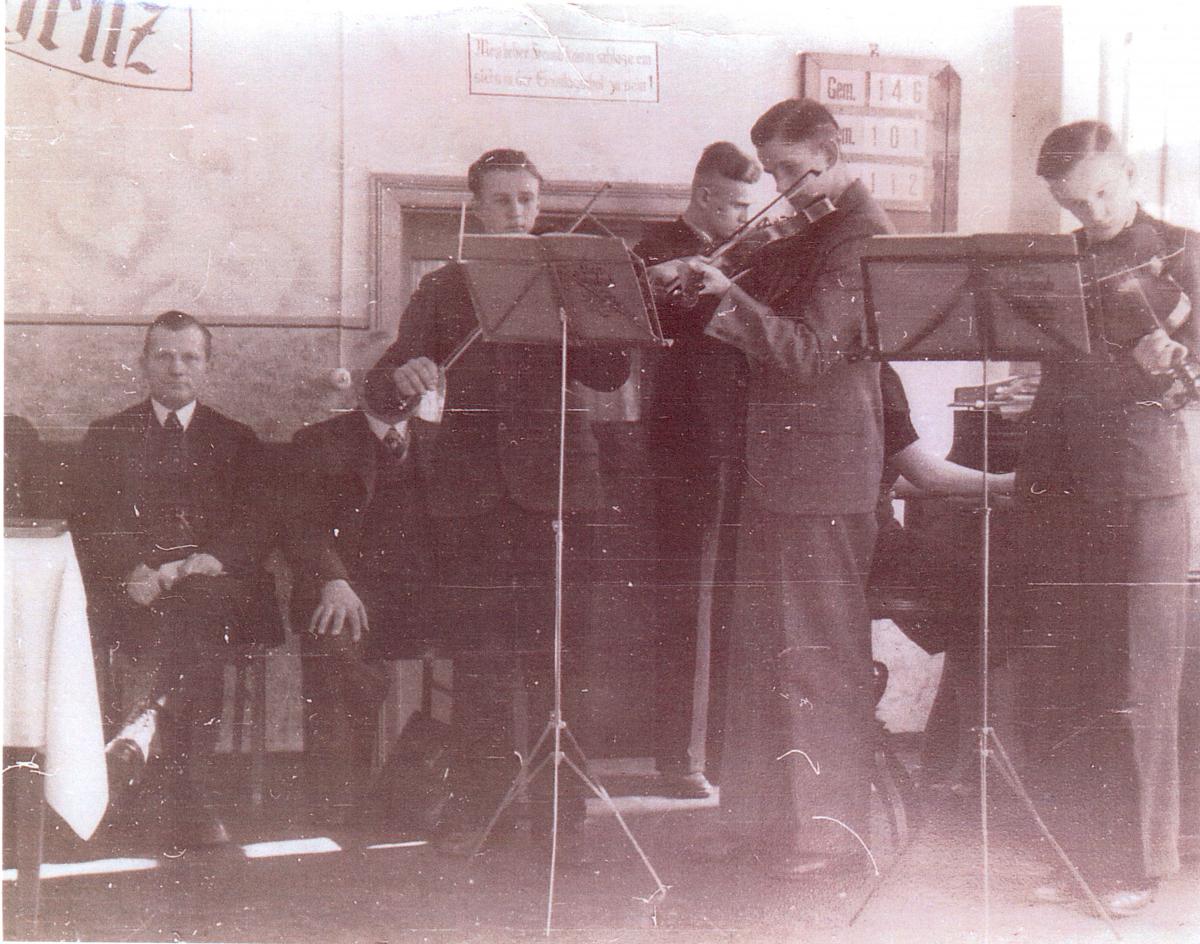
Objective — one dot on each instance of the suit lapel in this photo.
(132, 451)
(366, 460)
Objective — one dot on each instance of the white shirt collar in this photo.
(184, 412)
(380, 428)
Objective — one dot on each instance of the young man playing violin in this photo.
(491, 486)
(1103, 489)
(692, 422)
(798, 738)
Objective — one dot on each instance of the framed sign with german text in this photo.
(899, 121)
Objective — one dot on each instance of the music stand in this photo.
(983, 297)
(571, 290)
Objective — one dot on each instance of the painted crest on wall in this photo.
(139, 45)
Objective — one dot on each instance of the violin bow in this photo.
(477, 332)
(585, 214)
(738, 234)
(1141, 265)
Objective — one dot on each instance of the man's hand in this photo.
(168, 573)
(339, 607)
(665, 277)
(142, 585)
(204, 565)
(415, 376)
(1157, 353)
(712, 280)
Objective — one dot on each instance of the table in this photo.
(51, 702)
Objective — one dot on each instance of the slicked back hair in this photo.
(723, 159)
(178, 321)
(499, 159)
(1067, 145)
(794, 120)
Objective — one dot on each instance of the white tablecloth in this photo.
(50, 698)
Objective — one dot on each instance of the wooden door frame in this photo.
(397, 196)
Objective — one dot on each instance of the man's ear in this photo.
(831, 150)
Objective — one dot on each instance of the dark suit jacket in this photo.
(499, 436)
(814, 436)
(230, 516)
(1095, 429)
(335, 465)
(694, 407)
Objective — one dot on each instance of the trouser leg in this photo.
(800, 734)
(1102, 662)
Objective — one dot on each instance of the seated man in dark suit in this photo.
(171, 530)
(360, 545)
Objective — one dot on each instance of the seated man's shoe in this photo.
(203, 829)
(130, 751)
(684, 786)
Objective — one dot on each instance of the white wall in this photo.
(407, 107)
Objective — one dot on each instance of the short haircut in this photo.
(794, 120)
(1066, 145)
(178, 321)
(723, 159)
(499, 159)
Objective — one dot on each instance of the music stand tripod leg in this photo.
(525, 776)
(987, 734)
(1009, 772)
(557, 726)
(598, 788)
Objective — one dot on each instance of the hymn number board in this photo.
(899, 122)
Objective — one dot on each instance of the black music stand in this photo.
(570, 290)
(984, 297)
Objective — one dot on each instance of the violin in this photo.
(411, 403)
(1130, 280)
(735, 254)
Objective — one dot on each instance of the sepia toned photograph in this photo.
(486, 472)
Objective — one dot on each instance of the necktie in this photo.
(173, 486)
(395, 444)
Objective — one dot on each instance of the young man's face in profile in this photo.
(726, 206)
(507, 201)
